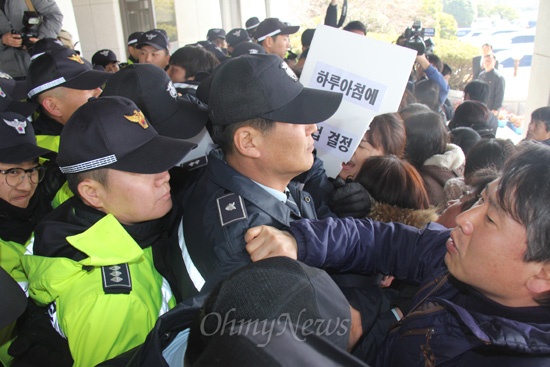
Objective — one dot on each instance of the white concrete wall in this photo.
(249, 9)
(539, 84)
(280, 9)
(99, 26)
(69, 20)
(194, 18)
(230, 15)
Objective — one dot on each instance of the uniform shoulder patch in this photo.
(195, 163)
(231, 208)
(116, 279)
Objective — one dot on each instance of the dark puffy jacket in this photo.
(437, 331)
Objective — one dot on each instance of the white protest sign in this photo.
(371, 74)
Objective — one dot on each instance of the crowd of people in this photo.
(171, 211)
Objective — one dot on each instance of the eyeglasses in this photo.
(14, 176)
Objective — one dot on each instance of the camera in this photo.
(31, 22)
(416, 38)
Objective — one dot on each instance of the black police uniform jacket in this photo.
(219, 209)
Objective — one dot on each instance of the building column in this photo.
(194, 18)
(539, 87)
(99, 26)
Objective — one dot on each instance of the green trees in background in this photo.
(463, 11)
(500, 11)
(165, 15)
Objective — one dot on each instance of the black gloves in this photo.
(350, 199)
(37, 343)
(53, 181)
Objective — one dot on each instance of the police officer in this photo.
(98, 257)
(263, 120)
(24, 200)
(60, 81)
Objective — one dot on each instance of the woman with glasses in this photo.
(25, 198)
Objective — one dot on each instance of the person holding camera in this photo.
(430, 66)
(22, 23)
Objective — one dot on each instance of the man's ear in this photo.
(91, 193)
(540, 282)
(51, 106)
(268, 42)
(246, 140)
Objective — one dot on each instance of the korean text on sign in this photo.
(356, 89)
(333, 140)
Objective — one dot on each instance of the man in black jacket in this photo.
(495, 80)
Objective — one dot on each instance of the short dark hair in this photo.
(426, 91)
(477, 90)
(195, 60)
(387, 132)
(393, 181)
(407, 99)
(542, 114)
(472, 114)
(435, 61)
(464, 137)
(488, 153)
(413, 109)
(446, 69)
(426, 136)
(524, 193)
(356, 25)
(223, 135)
(74, 179)
(307, 37)
(477, 183)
